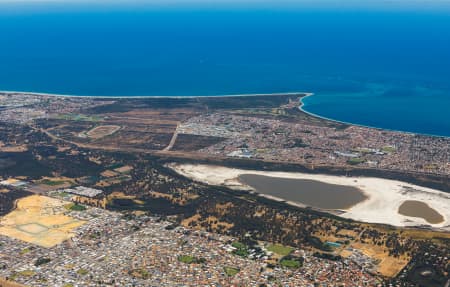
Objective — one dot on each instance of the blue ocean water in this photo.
(379, 65)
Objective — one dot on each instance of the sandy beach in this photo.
(384, 197)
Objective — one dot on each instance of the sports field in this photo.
(39, 220)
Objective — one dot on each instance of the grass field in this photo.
(186, 259)
(82, 271)
(39, 220)
(231, 271)
(280, 249)
(290, 263)
(53, 182)
(190, 259)
(75, 207)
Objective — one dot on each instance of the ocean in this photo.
(385, 66)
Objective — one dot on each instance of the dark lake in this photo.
(420, 209)
(309, 192)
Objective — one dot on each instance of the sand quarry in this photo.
(39, 220)
(384, 197)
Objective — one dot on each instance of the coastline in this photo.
(301, 104)
(160, 97)
(301, 108)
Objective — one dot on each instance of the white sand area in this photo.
(384, 196)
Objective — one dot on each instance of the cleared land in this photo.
(102, 131)
(8, 283)
(39, 220)
(388, 266)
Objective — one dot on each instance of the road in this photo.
(173, 140)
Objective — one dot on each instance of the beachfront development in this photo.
(215, 191)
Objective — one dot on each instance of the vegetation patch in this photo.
(75, 207)
(317, 243)
(190, 259)
(141, 273)
(25, 251)
(52, 182)
(241, 249)
(293, 262)
(82, 271)
(186, 259)
(41, 261)
(61, 194)
(280, 249)
(355, 161)
(388, 149)
(27, 273)
(79, 117)
(231, 271)
(288, 263)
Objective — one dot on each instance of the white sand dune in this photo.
(384, 196)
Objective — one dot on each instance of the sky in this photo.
(334, 3)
